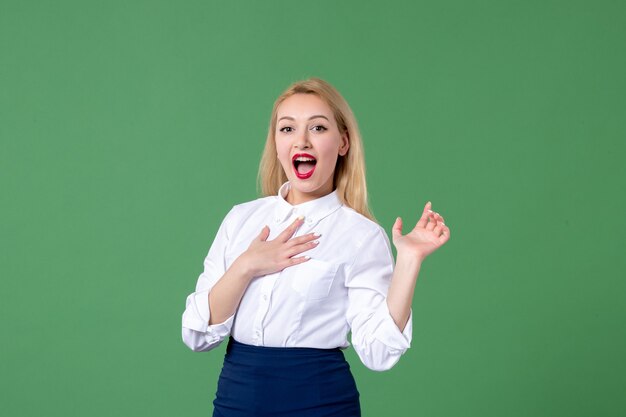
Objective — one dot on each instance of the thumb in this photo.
(264, 234)
(396, 230)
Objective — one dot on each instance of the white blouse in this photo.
(315, 304)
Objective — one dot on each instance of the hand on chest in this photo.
(314, 279)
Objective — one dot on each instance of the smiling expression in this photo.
(308, 143)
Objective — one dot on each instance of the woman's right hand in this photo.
(266, 257)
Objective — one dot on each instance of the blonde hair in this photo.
(349, 178)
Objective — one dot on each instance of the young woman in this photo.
(290, 274)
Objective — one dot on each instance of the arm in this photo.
(197, 334)
(380, 296)
(376, 338)
(429, 233)
(400, 295)
(262, 257)
(210, 311)
(225, 296)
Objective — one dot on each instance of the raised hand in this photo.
(265, 257)
(428, 235)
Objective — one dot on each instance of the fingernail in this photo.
(430, 211)
(317, 234)
(316, 242)
(307, 256)
(300, 217)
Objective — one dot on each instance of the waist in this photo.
(239, 348)
(285, 381)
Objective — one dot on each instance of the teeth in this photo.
(304, 159)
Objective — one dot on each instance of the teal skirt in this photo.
(264, 381)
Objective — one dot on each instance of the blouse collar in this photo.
(313, 211)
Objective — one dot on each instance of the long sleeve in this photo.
(376, 338)
(197, 334)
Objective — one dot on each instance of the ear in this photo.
(345, 144)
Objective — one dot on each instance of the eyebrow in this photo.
(312, 117)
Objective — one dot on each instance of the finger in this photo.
(265, 232)
(297, 260)
(445, 235)
(437, 219)
(396, 229)
(290, 230)
(301, 248)
(439, 228)
(424, 219)
(432, 221)
(304, 238)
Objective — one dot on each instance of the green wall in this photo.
(129, 128)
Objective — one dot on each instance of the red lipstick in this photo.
(295, 164)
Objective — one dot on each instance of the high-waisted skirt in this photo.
(259, 381)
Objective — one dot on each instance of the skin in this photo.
(429, 234)
(298, 131)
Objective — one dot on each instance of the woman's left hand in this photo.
(429, 233)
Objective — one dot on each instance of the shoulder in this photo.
(243, 210)
(361, 228)
(253, 204)
(372, 245)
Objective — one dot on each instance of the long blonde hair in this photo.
(349, 178)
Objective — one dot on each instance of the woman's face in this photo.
(308, 144)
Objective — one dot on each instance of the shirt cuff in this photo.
(197, 316)
(388, 332)
(219, 331)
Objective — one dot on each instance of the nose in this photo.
(302, 140)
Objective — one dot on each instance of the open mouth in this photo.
(303, 165)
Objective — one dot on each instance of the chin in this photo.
(308, 186)
(304, 185)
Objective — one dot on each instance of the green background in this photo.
(129, 129)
